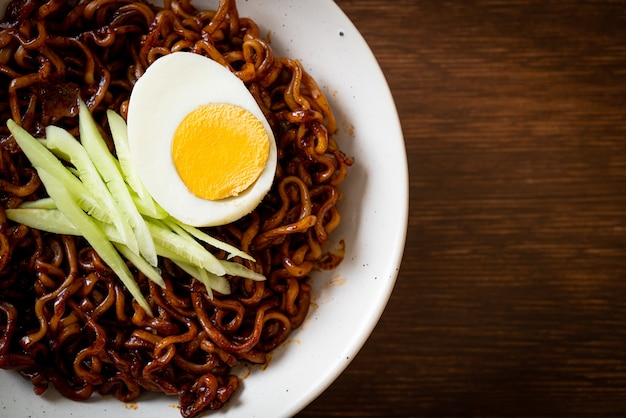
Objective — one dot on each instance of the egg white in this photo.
(171, 87)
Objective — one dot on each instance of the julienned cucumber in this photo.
(92, 233)
(108, 168)
(103, 200)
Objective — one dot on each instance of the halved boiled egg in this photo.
(199, 141)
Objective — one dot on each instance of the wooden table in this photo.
(511, 300)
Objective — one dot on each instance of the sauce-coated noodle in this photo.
(65, 319)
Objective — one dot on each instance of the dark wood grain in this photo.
(511, 300)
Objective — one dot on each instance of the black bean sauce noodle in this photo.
(65, 319)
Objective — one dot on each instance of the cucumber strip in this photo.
(43, 203)
(231, 268)
(199, 274)
(236, 269)
(152, 273)
(168, 253)
(49, 220)
(65, 146)
(151, 210)
(214, 242)
(41, 157)
(141, 197)
(210, 280)
(107, 166)
(54, 221)
(170, 223)
(184, 249)
(93, 234)
(202, 276)
(119, 133)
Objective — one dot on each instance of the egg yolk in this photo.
(219, 150)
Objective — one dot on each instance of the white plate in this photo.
(348, 301)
